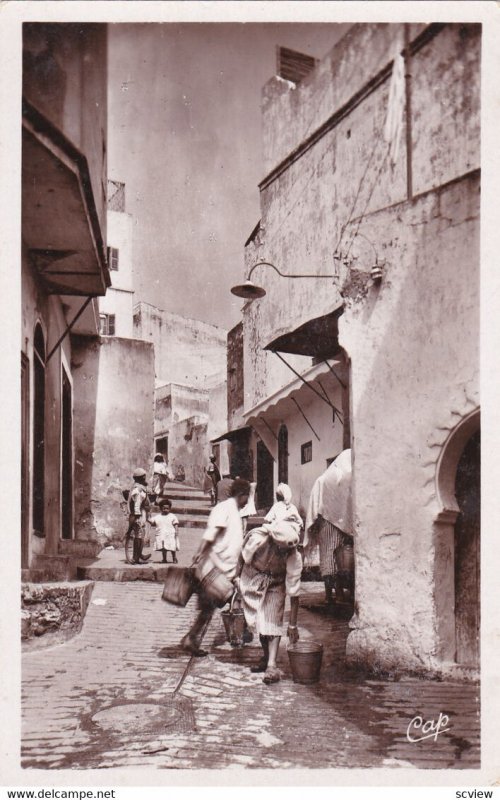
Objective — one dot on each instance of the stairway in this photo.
(191, 506)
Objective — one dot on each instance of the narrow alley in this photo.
(104, 698)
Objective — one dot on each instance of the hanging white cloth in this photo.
(331, 496)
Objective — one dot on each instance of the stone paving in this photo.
(105, 699)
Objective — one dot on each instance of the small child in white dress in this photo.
(167, 538)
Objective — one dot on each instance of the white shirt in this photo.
(227, 543)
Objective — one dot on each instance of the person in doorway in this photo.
(272, 568)
(329, 521)
(283, 508)
(159, 476)
(221, 544)
(138, 506)
(214, 475)
(167, 537)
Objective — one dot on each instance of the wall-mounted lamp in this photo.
(250, 291)
(376, 271)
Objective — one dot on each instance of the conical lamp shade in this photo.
(248, 291)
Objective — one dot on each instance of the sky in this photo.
(185, 137)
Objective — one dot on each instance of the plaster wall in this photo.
(119, 299)
(346, 173)
(65, 77)
(301, 477)
(217, 416)
(187, 351)
(412, 340)
(37, 306)
(121, 304)
(113, 428)
(414, 348)
(188, 442)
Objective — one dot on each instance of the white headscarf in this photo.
(331, 495)
(284, 490)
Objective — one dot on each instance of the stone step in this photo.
(80, 548)
(189, 500)
(51, 567)
(191, 521)
(190, 510)
(128, 572)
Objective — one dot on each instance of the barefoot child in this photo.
(166, 524)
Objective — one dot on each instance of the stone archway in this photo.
(457, 544)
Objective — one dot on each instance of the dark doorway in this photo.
(283, 454)
(240, 457)
(161, 446)
(265, 480)
(25, 449)
(39, 432)
(67, 459)
(467, 553)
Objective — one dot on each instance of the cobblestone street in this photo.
(126, 659)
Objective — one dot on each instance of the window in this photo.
(306, 452)
(113, 258)
(283, 454)
(107, 324)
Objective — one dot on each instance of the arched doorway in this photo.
(283, 454)
(467, 553)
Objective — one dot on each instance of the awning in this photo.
(60, 223)
(317, 338)
(324, 377)
(231, 436)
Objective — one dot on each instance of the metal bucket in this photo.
(345, 558)
(178, 586)
(213, 583)
(234, 623)
(305, 661)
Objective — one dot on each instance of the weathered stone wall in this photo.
(415, 372)
(37, 306)
(187, 351)
(235, 382)
(52, 613)
(113, 428)
(347, 173)
(65, 77)
(119, 299)
(413, 339)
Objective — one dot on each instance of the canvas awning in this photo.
(321, 379)
(231, 436)
(317, 337)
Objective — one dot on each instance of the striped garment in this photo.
(264, 593)
(329, 538)
(263, 601)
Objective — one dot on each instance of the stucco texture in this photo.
(114, 417)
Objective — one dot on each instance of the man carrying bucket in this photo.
(216, 561)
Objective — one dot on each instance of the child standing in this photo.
(167, 538)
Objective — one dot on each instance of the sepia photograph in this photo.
(250, 403)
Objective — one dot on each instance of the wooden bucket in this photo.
(305, 661)
(179, 585)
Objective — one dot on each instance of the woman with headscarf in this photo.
(329, 519)
(283, 508)
(271, 570)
